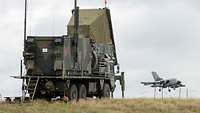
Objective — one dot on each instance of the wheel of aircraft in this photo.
(169, 90)
(159, 90)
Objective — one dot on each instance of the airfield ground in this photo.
(106, 106)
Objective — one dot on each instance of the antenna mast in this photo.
(25, 22)
(76, 28)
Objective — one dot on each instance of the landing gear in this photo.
(169, 90)
(106, 91)
(82, 91)
(73, 93)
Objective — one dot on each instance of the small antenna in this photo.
(105, 2)
(25, 22)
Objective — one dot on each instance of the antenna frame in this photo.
(25, 22)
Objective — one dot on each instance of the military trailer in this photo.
(81, 64)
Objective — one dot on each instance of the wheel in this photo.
(106, 91)
(169, 90)
(82, 91)
(73, 93)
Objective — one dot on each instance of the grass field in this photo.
(106, 106)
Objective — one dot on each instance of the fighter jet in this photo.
(162, 83)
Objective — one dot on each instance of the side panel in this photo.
(45, 57)
(84, 54)
(58, 51)
(68, 58)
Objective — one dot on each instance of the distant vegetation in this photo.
(106, 106)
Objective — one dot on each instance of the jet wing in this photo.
(157, 85)
(174, 86)
(151, 83)
(177, 86)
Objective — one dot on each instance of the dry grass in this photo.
(106, 106)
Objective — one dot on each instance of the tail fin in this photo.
(156, 77)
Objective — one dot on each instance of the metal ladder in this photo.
(32, 87)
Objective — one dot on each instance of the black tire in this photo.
(82, 91)
(106, 91)
(73, 93)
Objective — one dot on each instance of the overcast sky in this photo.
(150, 35)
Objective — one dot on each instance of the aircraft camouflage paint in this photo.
(161, 83)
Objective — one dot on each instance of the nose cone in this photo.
(178, 82)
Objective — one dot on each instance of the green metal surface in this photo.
(86, 55)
